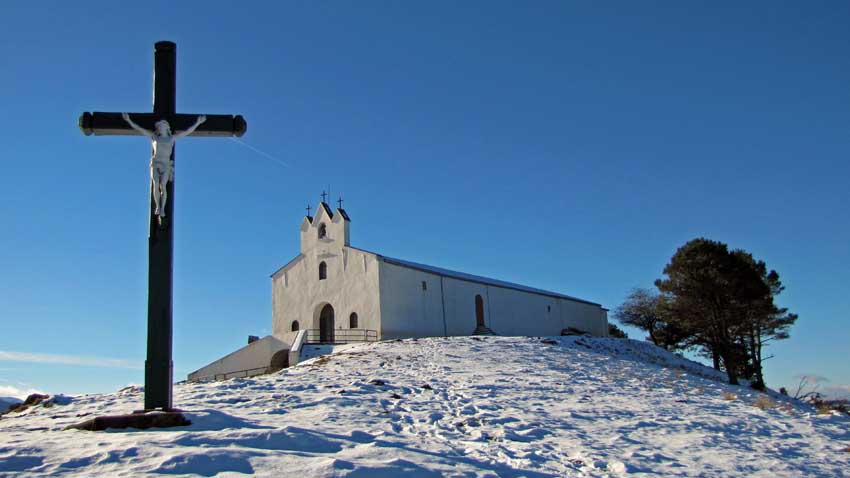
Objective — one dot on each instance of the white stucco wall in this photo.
(460, 305)
(589, 318)
(513, 312)
(351, 284)
(252, 359)
(520, 313)
(408, 311)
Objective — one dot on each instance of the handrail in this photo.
(340, 336)
(225, 376)
(311, 336)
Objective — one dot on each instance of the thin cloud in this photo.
(77, 360)
(20, 393)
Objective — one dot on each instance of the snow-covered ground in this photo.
(467, 406)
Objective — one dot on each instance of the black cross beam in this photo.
(111, 124)
(159, 368)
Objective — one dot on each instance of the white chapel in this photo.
(333, 293)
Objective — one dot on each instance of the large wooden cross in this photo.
(158, 366)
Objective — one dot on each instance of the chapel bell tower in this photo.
(325, 230)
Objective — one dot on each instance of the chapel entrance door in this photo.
(326, 324)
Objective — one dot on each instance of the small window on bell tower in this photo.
(323, 231)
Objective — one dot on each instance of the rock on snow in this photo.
(465, 406)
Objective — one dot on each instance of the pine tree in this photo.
(710, 291)
(766, 321)
(724, 301)
(616, 332)
(646, 310)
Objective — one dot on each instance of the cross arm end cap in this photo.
(85, 123)
(240, 126)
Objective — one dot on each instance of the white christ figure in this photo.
(162, 167)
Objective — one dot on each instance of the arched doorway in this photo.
(326, 324)
(479, 311)
(279, 361)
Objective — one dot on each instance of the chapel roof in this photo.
(475, 278)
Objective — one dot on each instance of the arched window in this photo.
(323, 231)
(295, 326)
(479, 311)
(352, 320)
(323, 271)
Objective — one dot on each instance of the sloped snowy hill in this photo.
(471, 406)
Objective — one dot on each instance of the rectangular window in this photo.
(424, 285)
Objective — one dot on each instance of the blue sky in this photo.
(571, 146)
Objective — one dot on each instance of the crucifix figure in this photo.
(157, 126)
(162, 167)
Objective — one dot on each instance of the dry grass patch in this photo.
(729, 396)
(764, 402)
(321, 361)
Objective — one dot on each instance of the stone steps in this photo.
(483, 330)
